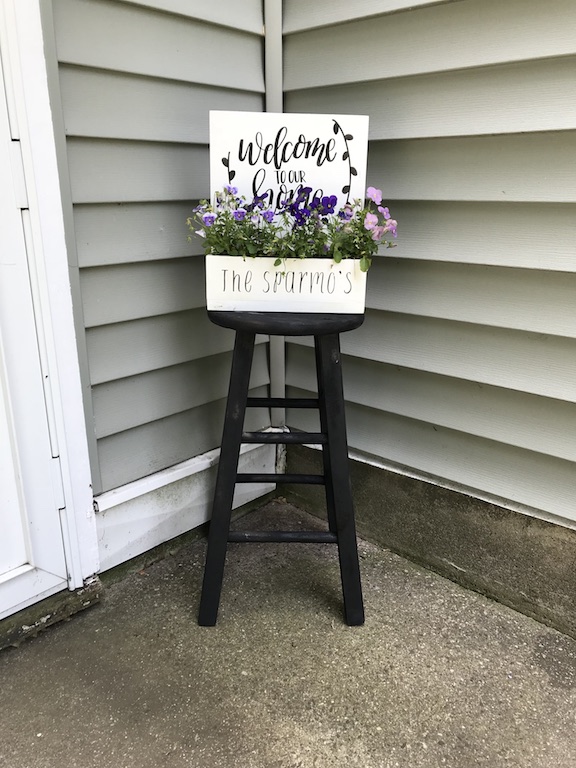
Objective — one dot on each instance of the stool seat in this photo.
(287, 323)
(326, 329)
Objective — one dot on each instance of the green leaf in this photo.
(365, 263)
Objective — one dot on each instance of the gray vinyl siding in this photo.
(137, 80)
(464, 371)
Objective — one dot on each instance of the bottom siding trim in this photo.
(523, 562)
(448, 485)
(141, 515)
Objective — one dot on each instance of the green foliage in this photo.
(304, 228)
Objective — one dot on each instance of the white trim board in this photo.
(141, 515)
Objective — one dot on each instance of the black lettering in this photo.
(257, 184)
(250, 153)
(331, 150)
(279, 152)
(299, 147)
(322, 152)
(318, 278)
(278, 141)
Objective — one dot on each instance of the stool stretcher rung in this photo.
(253, 477)
(282, 402)
(286, 438)
(289, 537)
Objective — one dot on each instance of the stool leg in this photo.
(332, 407)
(326, 464)
(226, 478)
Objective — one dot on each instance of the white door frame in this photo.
(31, 124)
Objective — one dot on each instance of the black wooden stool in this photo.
(326, 329)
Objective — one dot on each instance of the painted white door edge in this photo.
(30, 105)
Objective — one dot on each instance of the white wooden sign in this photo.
(275, 156)
(278, 154)
(297, 285)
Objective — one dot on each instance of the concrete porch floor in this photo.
(438, 676)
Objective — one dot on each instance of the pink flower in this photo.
(391, 226)
(370, 221)
(374, 194)
(384, 211)
(378, 233)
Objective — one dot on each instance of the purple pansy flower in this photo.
(268, 216)
(240, 214)
(300, 215)
(208, 219)
(328, 204)
(346, 213)
(258, 201)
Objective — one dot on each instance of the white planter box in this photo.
(297, 285)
